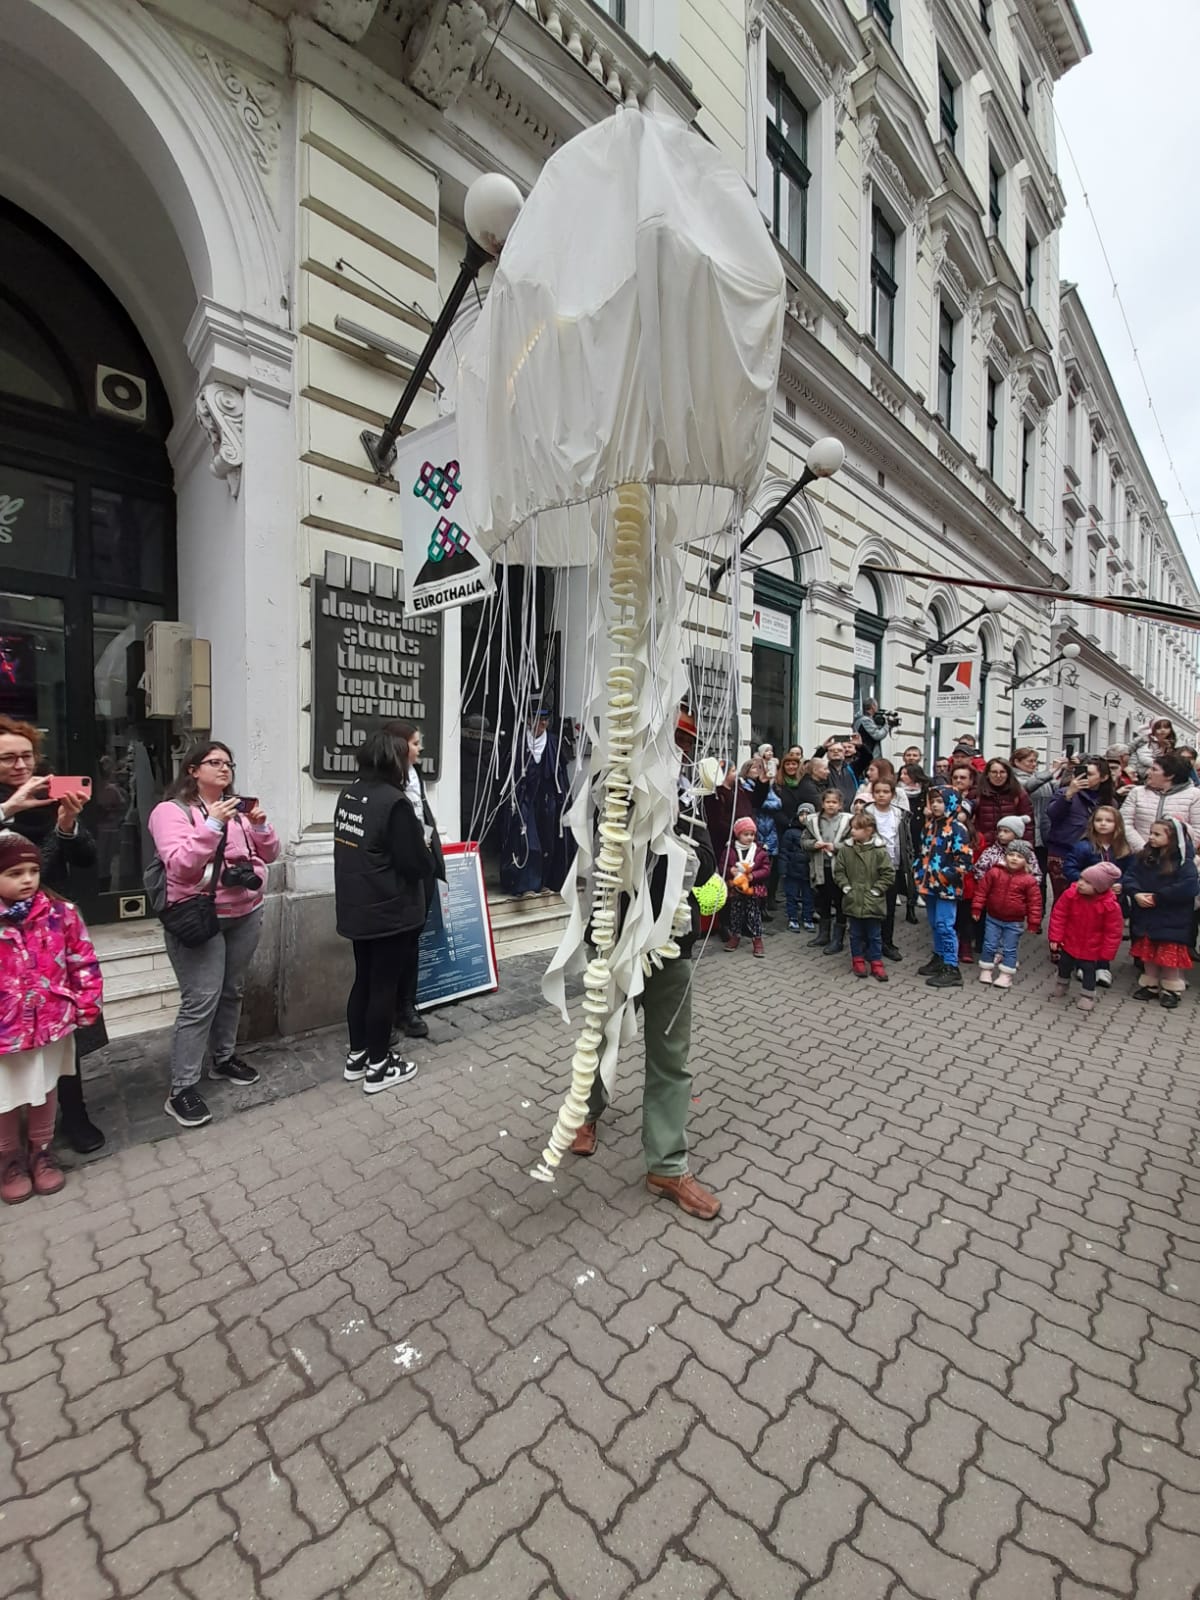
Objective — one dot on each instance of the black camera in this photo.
(892, 718)
(240, 875)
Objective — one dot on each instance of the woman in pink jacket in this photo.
(201, 815)
(49, 986)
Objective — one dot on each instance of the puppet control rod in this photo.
(628, 589)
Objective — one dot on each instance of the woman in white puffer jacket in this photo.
(1167, 792)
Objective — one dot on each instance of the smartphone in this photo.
(247, 803)
(60, 786)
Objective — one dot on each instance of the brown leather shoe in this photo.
(687, 1194)
(584, 1142)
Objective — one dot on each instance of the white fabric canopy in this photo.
(631, 335)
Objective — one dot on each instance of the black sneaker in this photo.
(893, 953)
(188, 1109)
(388, 1074)
(931, 968)
(947, 978)
(356, 1066)
(234, 1070)
(415, 1026)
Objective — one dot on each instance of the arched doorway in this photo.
(778, 602)
(87, 532)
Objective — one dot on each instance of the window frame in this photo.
(785, 162)
(1026, 100)
(884, 281)
(946, 364)
(985, 16)
(886, 15)
(992, 405)
(948, 122)
(1031, 270)
(1026, 482)
(995, 194)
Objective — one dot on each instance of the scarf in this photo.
(16, 910)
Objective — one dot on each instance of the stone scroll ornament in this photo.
(614, 406)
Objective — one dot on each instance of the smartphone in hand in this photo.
(246, 804)
(60, 786)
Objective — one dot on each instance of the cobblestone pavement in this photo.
(941, 1342)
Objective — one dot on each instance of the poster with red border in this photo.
(457, 952)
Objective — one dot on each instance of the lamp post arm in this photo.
(722, 567)
(1036, 673)
(934, 647)
(381, 447)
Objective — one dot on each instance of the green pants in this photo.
(668, 1092)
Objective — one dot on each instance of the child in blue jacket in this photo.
(795, 871)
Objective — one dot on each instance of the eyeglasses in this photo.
(21, 759)
(220, 764)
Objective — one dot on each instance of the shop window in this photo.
(30, 367)
(778, 607)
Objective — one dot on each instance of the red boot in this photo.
(966, 955)
(878, 971)
(859, 965)
(732, 942)
(757, 948)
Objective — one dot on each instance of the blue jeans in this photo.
(866, 938)
(1004, 936)
(941, 914)
(799, 896)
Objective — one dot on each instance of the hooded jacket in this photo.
(1067, 819)
(992, 804)
(864, 873)
(1009, 897)
(758, 866)
(1169, 919)
(49, 976)
(1084, 855)
(945, 860)
(793, 857)
(820, 829)
(1087, 927)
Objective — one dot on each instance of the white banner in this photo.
(956, 681)
(444, 565)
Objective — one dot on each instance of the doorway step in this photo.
(140, 992)
(534, 922)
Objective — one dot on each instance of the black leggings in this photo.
(382, 969)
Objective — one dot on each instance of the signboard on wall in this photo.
(1031, 714)
(864, 653)
(444, 565)
(956, 684)
(772, 627)
(371, 663)
(456, 954)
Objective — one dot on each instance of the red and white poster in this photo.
(956, 682)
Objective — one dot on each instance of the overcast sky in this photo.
(1131, 113)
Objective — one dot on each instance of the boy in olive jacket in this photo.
(863, 871)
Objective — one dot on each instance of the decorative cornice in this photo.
(508, 105)
(444, 46)
(348, 19)
(220, 410)
(254, 105)
(240, 351)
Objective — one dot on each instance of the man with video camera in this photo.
(873, 726)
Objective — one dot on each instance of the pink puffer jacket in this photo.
(49, 976)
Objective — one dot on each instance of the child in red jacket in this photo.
(1007, 900)
(1086, 927)
(747, 869)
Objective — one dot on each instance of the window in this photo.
(1024, 92)
(945, 368)
(615, 9)
(1030, 271)
(883, 285)
(985, 17)
(992, 424)
(1026, 468)
(1072, 431)
(787, 150)
(995, 202)
(947, 90)
(883, 10)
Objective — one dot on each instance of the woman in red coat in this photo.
(998, 794)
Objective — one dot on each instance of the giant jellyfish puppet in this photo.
(615, 402)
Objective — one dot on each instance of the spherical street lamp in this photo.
(825, 457)
(492, 205)
(1070, 652)
(997, 600)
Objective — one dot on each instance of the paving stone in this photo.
(168, 1546)
(677, 1579)
(319, 1498)
(412, 1533)
(328, 1565)
(811, 1525)
(269, 1530)
(650, 1436)
(578, 1562)
(512, 1570)
(1022, 1575)
(68, 1560)
(916, 1561)
(737, 1551)
(979, 1519)
(434, 1470)
(585, 1480)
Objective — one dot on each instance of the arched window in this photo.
(870, 625)
(778, 603)
(31, 368)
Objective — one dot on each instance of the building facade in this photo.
(1116, 538)
(227, 228)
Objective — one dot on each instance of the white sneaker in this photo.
(356, 1066)
(1104, 977)
(387, 1074)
